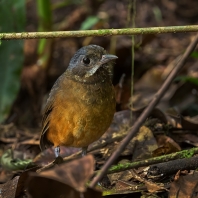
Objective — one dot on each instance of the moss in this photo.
(104, 32)
(108, 192)
(187, 153)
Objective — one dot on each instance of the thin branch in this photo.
(133, 54)
(133, 131)
(102, 32)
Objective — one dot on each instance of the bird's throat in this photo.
(92, 77)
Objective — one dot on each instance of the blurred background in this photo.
(29, 68)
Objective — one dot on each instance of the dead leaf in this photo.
(189, 124)
(121, 120)
(145, 144)
(166, 146)
(120, 176)
(184, 186)
(188, 138)
(183, 96)
(47, 156)
(8, 189)
(156, 113)
(13, 188)
(153, 187)
(66, 180)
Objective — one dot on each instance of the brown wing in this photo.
(44, 143)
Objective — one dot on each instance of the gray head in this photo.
(87, 62)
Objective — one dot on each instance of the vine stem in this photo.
(102, 32)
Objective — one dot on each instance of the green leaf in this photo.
(89, 22)
(194, 54)
(44, 49)
(45, 21)
(157, 13)
(44, 15)
(58, 5)
(187, 79)
(8, 163)
(12, 19)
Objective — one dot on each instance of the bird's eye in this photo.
(86, 61)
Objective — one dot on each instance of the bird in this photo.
(81, 103)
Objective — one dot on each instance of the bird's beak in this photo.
(106, 58)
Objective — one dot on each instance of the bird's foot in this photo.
(84, 151)
(58, 160)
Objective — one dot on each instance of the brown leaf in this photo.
(121, 120)
(75, 173)
(145, 144)
(183, 96)
(13, 188)
(151, 80)
(48, 155)
(187, 123)
(189, 138)
(66, 180)
(8, 189)
(166, 146)
(39, 187)
(156, 113)
(120, 176)
(184, 186)
(128, 187)
(152, 187)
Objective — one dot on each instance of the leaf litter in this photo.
(163, 132)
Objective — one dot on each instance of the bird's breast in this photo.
(83, 111)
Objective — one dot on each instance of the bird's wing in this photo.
(46, 115)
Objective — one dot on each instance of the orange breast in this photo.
(81, 113)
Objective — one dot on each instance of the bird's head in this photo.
(90, 63)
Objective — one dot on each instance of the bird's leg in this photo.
(57, 151)
(58, 159)
(84, 151)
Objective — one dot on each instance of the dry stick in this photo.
(102, 32)
(146, 112)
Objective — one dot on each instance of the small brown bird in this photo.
(81, 103)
